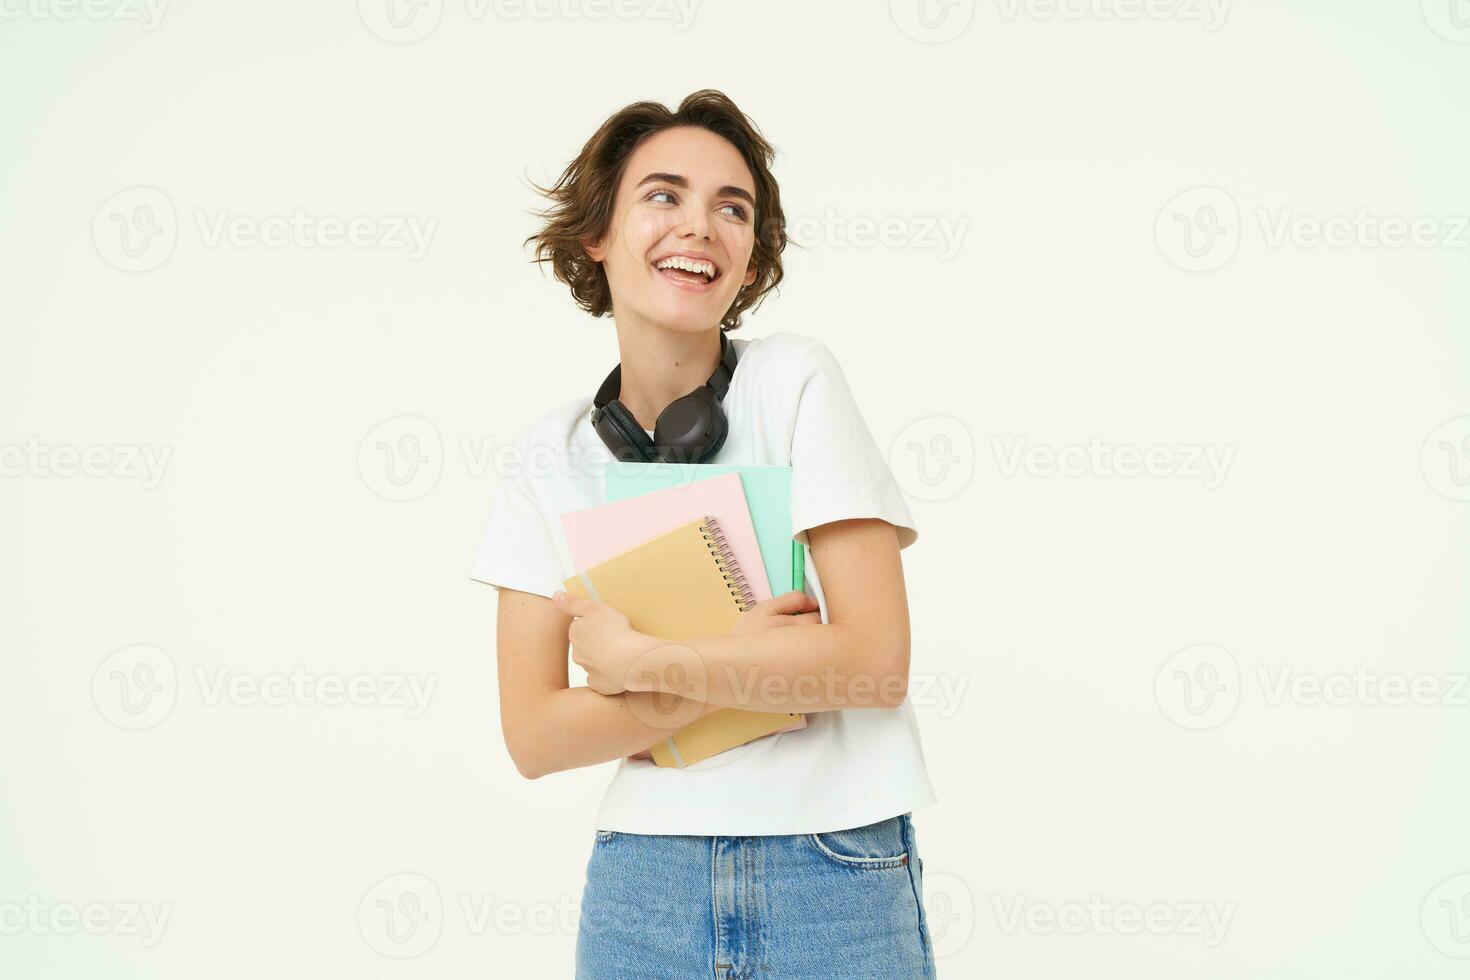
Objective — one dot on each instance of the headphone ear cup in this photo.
(691, 429)
(622, 434)
(721, 428)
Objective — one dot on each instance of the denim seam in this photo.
(871, 863)
(924, 946)
(714, 904)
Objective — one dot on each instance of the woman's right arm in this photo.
(549, 726)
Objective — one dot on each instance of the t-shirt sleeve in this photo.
(517, 550)
(838, 472)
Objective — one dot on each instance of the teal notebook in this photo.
(767, 493)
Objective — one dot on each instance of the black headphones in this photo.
(690, 430)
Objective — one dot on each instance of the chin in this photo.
(686, 317)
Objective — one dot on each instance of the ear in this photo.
(749, 274)
(596, 249)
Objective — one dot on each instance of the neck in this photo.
(661, 365)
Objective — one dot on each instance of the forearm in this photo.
(810, 667)
(577, 727)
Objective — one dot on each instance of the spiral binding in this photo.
(725, 559)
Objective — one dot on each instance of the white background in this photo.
(1114, 643)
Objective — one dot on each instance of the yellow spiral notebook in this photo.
(682, 585)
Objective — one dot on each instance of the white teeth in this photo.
(688, 265)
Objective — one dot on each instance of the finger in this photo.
(799, 619)
(788, 603)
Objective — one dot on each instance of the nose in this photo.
(693, 222)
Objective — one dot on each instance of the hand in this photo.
(787, 609)
(604, 642)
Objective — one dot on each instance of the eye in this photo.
(739, 211)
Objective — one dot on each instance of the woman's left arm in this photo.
(859, 658)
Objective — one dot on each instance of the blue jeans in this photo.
(846, 903)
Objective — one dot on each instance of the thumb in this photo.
(572, 605)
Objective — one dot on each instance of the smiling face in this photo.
(684, 209)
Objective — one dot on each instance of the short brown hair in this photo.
(584, 196)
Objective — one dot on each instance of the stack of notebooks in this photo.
(682, 549)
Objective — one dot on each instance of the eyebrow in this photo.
(729, 190)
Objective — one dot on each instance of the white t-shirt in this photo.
(788, 405)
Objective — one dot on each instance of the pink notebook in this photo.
(595, 534)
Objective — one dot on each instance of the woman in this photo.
(793, 855)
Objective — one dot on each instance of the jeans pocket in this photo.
(874, 847)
